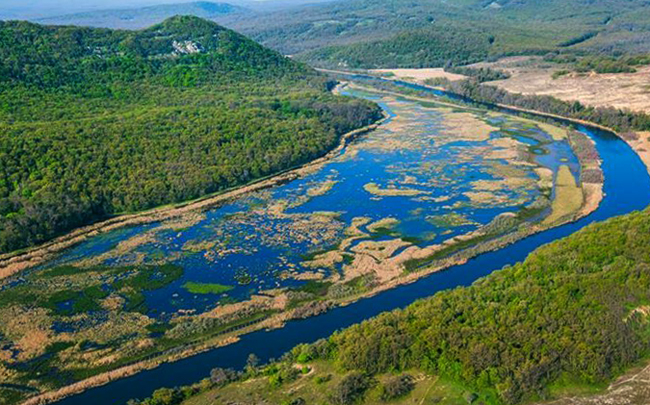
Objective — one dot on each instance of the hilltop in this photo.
(96, 122)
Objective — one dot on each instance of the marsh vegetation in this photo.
(577, 316)
(431, 187)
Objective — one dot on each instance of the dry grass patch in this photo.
(420, 75)
(568, 199)
(464, 126)
(374, 189)
(386, 223)
(531, 75)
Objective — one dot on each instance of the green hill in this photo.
(95, 122)
(366, 33)
(567, 320)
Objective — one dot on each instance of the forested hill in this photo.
(572, 314)
(181, 48)
(414, 33)
(95, 122)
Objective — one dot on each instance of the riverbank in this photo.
(280, 319)
(13, 263)
(627, 188)
(543, 283)
(638, 141)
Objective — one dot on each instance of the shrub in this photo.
(322, 379)
(350, 389)
(252, 361)
(396, 387)
(166, 396)
(295, 401)
(559, 73)
(222, 376)
(285, 373)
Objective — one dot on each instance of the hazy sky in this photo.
(23, 9)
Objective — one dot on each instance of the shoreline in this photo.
(15, 262)
(279, 320)
(640, 146)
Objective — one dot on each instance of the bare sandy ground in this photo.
(531, 75)
(631, 389)
(420, 75)
(642, 147)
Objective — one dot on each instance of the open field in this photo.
(418, 75)
(532, 75)
(320, 379)
(315, 383)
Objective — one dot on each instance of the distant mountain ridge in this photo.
(370, 33)
(145, 16)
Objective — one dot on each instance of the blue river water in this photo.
(627, 189)
(259, 242)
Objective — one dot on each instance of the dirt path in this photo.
(631, 389)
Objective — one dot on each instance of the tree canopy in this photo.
(573, 312)
(95, 122)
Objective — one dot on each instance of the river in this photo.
(627, 188)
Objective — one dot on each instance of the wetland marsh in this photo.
(433, 186)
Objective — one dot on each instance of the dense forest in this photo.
(573, 314)
(434, 46)
(95, 122)
(566, 314)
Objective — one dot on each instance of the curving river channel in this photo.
(626, 187)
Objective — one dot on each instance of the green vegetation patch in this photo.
(317, 288)
(206, 288)
(70, 302)
(450, 220)
(149, 278)
(61, 291)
